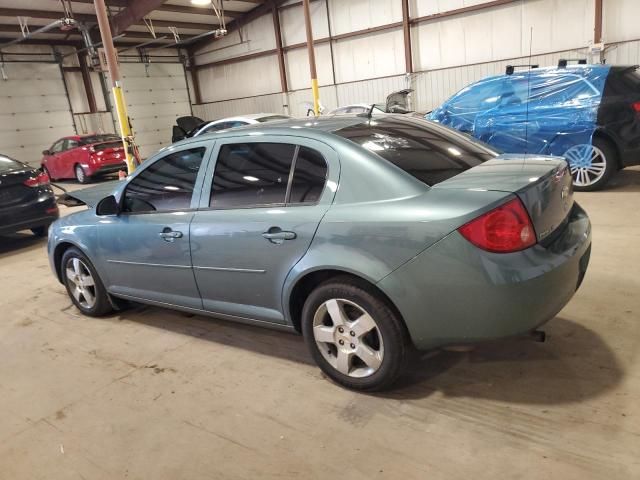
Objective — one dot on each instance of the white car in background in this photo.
(189, 126)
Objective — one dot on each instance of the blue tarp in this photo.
(544, 111)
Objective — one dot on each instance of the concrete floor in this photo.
(152, 394)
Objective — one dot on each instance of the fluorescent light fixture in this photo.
(454, 151)
(200, 3)
(249, 178)
(172, 188)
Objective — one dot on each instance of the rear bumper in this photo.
(103, 169)
(455, 293)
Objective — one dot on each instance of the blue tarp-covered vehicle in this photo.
(586, 113)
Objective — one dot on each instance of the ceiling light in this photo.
(201, 3)
(249, 178)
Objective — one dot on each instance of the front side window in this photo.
(259, 174)
(429, 152)
(57, 147)
(165, 185)
(70, 144)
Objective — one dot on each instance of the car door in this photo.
(67, 158)
(51, 161)
(261, 205)
(145, 249)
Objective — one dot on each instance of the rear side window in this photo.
(260, 174)
(108, 137)
(165, 185)
(429, 152)
(9, 165)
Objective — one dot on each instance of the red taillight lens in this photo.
(505, 229)
(39, 180)
(636, 107)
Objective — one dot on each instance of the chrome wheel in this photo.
(588, 164)
(348, 338)
(80, 175)
(81, 283)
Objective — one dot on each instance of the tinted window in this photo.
(216, 127)
(309, 176)
(167, 184)
(8, 165)
(57, 147)
(109, 137)
(70, 144)
(430, 152)
(271, 118)
(251, 174)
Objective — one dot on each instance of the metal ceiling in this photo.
(159, 17)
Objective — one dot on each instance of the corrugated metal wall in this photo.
(448, 52)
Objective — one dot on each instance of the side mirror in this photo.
(108, 206)
(46, 153)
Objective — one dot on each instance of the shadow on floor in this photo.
(20, 242)
(626, 180)
(572, 365)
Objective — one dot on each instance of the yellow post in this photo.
(312, 58)
(125, 129)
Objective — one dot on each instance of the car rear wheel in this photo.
(83, 284)
(40, 231)
(591, 165)
(81, 176)
(353, 335)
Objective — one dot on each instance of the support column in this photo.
(86, 79)
(116, 87)
(312, 58)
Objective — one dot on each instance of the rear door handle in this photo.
(276, 235)
(169, 235)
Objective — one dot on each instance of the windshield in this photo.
(8, 164)
(108, 137)
(430, 152)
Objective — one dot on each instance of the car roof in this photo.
(250, 116)
(573, 69)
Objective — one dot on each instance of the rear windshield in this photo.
(109, 137)
(9, 165)
(430, 152)
(271, 118)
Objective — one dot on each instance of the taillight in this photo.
(636, 107)
(504, 229)
(39, 180)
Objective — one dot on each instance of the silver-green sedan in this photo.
(370, 236)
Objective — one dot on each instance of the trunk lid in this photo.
(543, 184)
(13, 191)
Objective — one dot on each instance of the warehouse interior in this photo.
(147, 392)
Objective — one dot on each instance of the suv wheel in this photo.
(353, 335)
(83, 284)
(591, 165)
(81, 176)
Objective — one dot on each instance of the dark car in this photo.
(589, 114)
(84, 157)
(27, 201)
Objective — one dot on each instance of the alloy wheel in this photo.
(81, 283)
(588, 164)
(80, 175)
(348, 338)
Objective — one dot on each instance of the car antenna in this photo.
(369, 113)
(526, 120)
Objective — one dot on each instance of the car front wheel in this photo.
(591, 165)
(354, 336)
(81, 176)
(83, 284)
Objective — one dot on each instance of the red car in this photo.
(84, 156)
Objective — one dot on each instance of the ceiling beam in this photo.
(170, 8)
(132, 14)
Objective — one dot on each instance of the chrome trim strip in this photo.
(148, 264)
(225, 269)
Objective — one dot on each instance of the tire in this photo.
(41, 231)
(375, 359)
(592, 165)
(81, 176)
(76, 261)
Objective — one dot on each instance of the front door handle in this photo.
(277, 235)
(169, 235)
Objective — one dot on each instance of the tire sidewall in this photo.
(388, 328)
(102, 304)
(83, 178)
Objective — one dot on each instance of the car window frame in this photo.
(67, 141)
(326, 151)
(62, 142)
(197, 187)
